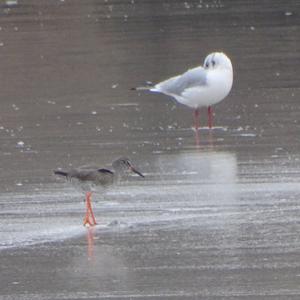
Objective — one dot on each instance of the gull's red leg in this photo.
(196, 118)
(89, 218)
(210, 117)
(91, 213)
(86, 220)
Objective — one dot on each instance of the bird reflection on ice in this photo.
(213, 167)
(90, 238)
(198, 185)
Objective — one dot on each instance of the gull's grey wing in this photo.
(83, 174)
(88, 167)
(105, 177)
(95, 176)
(176, 85)
(105, 171)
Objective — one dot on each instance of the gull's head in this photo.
(217, 60)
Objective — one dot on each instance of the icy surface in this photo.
(217, 215)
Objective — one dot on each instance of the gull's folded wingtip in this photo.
(60, 173)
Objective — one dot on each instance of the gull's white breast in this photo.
(217, 87)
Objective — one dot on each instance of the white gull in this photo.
(201, 86)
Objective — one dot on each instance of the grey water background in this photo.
(218, 220)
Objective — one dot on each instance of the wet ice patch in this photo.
(15, 107)
(248, 134)
(38, 218)
(204, 128)
(27, 233)
(11, 2)
(126, 104)
(20, 144)
(51, 102)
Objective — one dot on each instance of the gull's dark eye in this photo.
(207, 65)
(213, 63)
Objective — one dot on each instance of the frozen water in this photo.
(217, 216)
